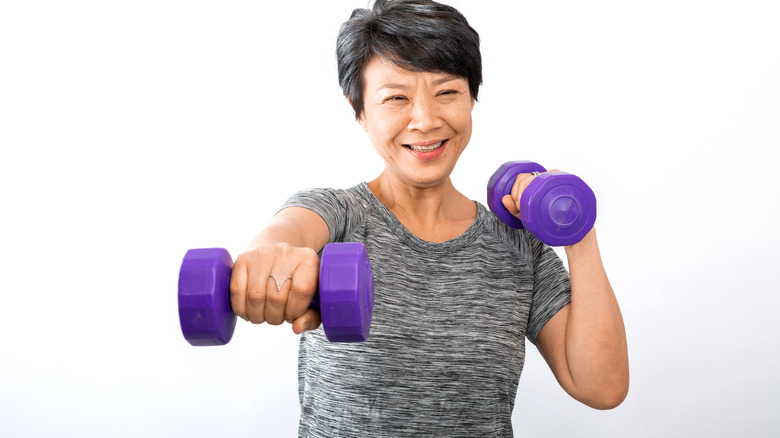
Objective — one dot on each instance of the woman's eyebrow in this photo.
(446, 79)
(393, 86)
(440, 81)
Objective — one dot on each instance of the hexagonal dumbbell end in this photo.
(205, 315)
(346, 292)
(500, 184)
(558, 208)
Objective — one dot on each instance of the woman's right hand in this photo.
(276, 283)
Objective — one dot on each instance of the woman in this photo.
(457, 291)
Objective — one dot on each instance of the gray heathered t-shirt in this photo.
(446, 347)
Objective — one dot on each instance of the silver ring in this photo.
(279, 285)
(535, 174)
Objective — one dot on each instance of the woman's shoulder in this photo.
(330, 196)
(515, 241)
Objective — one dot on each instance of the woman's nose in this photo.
(424, 116)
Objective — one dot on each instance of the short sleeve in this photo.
(551, 290)
(337, 207)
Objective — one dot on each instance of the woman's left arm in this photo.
(585, 342)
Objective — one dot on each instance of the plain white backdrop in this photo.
(132, 131)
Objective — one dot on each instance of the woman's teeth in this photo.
(429, 148)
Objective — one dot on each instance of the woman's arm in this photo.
(585, 342)
(295, 226)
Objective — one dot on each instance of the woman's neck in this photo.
(436, 213)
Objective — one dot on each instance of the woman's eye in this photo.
(395, 99)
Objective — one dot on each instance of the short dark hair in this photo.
(418, 35)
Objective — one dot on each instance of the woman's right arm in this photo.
(296, 226)
(275, 280)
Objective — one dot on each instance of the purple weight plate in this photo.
(500, 185)
(346, 292)
(204, 297)
(558, 208)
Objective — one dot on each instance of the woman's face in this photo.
(419, 122)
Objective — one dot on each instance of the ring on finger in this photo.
(279, 285)
(535, 174)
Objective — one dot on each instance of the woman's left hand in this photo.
(512, 201)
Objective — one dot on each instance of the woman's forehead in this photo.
(381, 73)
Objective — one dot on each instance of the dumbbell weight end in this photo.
(346, 292)
(500, 184)
(205, 315)
(558, 208)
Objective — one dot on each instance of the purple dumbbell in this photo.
(558, 208)
(345, 298)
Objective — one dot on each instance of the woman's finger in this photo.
(310, 320)
(303, 284)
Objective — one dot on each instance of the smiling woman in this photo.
(420, 123)
(457, 291)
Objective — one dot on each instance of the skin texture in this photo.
(584, 343)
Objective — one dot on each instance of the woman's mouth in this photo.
(426, 147)
(427, 151)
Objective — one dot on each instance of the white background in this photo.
(132, 131)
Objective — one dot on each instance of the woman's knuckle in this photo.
(276, 299)
(255, 297)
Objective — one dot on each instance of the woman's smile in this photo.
(426, 151)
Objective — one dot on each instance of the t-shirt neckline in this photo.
(407, 237)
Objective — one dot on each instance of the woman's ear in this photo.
(360, 119)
